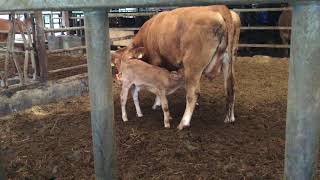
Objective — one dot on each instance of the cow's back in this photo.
(168, 34)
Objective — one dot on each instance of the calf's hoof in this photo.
(140, 115)
(167, 126)
(229, 120)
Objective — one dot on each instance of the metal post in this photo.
(303, 112)
(2, 172)
(66, 20)
(101, 96)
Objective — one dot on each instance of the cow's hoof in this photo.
(124, 119)
(167, 126)
(181, 126)
(140, 115)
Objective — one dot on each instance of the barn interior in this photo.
(50, 137)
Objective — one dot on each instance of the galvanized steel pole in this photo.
(303, 112)
(2, 172)
(101, 96)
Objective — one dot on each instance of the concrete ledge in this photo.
(14, 100)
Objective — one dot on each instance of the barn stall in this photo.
(254, 147)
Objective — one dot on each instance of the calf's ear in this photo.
(139, 52)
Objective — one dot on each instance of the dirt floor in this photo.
(54, 141)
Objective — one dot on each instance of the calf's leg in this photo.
(135, 95)
(165, 109)
(156, 103)
(124, 97)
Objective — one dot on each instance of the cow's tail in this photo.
(214, 65)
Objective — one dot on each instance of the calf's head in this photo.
(126, 54)
(176, 77)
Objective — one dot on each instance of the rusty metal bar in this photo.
(303, 115)
(14, 5)
(100, 91)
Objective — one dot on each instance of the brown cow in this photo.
(6, 25)
(158, 81)
(285, 20)
(200, 39)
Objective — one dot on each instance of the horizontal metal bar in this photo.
(82, 27)
(68, 68)
(63, 29)
(266, 28)
(77, 17)
(262, 9)
(153, 13)
(121, 38)
(65, 50)
(17, 5)
(135, 29)
(17, 12)
(264, 45)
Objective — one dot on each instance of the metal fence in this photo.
(238, 10)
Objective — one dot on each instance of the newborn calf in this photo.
(157, 80)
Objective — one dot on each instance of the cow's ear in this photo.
(139, 52)
(113, 57)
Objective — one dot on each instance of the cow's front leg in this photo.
(228, 74)
(135, 95)
(124, 97)
(165, 109)
(156, 103)
(192, 86)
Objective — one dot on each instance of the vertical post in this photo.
(66, 20)
(2, 172)
(41, 47)
(303, 112)
(100, 90)
(34, 46)
(51, 22)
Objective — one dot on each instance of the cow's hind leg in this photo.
(229, 81)
(135, 95)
